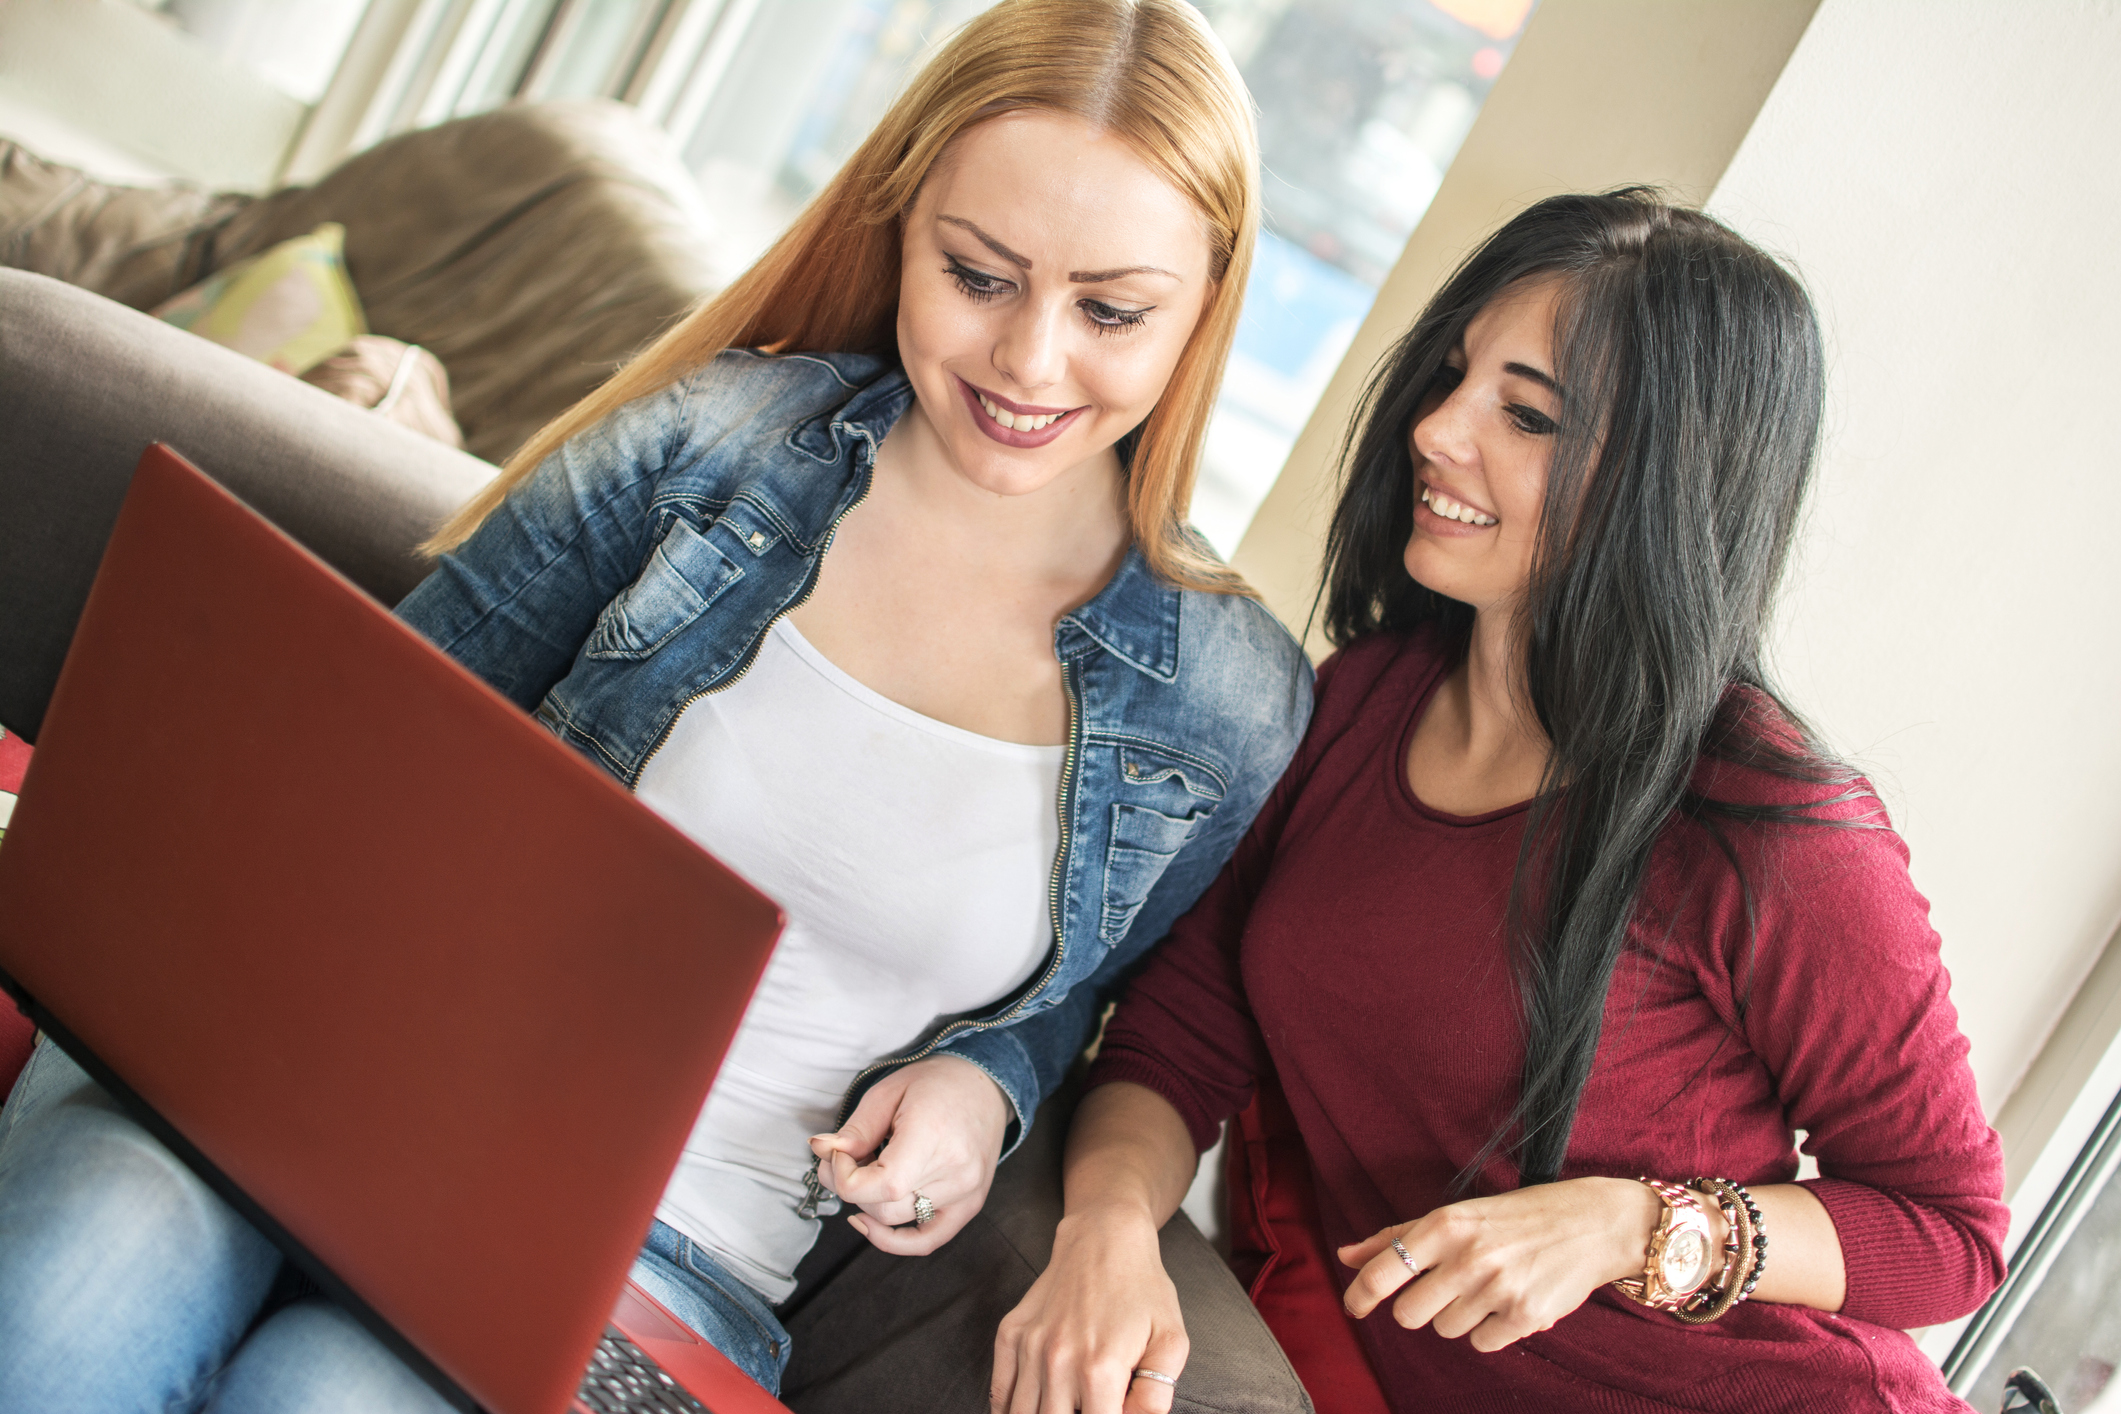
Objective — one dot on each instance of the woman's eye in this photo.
(974, 284)
(1110, 319)
(1532, 420)
(1448, 378)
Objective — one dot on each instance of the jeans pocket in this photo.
(767, 1341)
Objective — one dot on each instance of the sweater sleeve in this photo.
(1848, 1003)
(1184, 1028)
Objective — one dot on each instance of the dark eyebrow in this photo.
(1525, 370)
(1098, 277)
(989, 242)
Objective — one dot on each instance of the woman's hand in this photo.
(1102, 1309)
(934, 1128)
(1499, 1269)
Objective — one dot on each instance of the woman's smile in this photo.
(1014, 424)
(1452, 513)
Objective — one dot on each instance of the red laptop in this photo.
(430, 999)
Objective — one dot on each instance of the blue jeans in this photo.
(126, 1284)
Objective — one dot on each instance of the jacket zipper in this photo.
(814, 1191)
(817, 569)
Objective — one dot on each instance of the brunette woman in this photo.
(1560, 924)
(871, 575)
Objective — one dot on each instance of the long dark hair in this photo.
(1695, 380)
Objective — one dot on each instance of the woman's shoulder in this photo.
(752, 394)
(1242, 673)
(819, 375)
(1393, 661)
(1759, 760)
(1810, 834)
(749, 421)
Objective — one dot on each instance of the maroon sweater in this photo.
(1355, 946)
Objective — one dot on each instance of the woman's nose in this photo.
(1029, 352)
(1444, 436)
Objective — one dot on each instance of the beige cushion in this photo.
(392, 379)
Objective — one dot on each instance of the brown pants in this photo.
(877, 1334)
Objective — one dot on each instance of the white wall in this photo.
(1944, 175)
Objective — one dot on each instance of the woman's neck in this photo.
(1479, 746)
(1070, 532)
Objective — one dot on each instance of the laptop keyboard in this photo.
(622, 1379)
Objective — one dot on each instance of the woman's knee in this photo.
(102, 1229)
(313, 1358)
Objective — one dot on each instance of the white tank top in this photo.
(913, 860)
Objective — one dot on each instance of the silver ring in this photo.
(1157, 1375)
(923, 1210)
(1400, 1248)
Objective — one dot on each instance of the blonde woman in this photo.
(872, 576)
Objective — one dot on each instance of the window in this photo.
(2057, 1312)
(1362, 105)
(294, 45)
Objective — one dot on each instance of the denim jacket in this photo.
(641, 565)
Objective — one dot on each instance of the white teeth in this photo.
(1018, 421)
(1453, 510)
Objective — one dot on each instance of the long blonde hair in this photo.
(1149, 71)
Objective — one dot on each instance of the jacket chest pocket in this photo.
(1173, 798)
(684, 575)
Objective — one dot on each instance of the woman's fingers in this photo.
(1455, 1315)
(1382, 1273)
(914, 1241)
(1357, 1253)
(1165, 1354)
(1027, 1395)
(1001, 1386)
(886, 1184)
(1500, 1330)
(1102, 1309)
(869, 1127)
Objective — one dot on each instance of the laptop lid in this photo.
(429, 990)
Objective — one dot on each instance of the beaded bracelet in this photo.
(1754, 1261)
(1729, 1290)
(1752, 1211)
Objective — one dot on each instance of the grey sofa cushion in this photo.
(86, 385)
(877, 1334)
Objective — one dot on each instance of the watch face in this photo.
(1686, 1260)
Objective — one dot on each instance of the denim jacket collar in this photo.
(1134, 618)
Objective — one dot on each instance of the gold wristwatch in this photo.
(1682, 1248)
